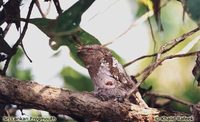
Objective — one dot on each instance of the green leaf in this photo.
(72, 17)
(16, 71)
(141, 9)
(45, 25)
(67, 21)
(75, 80)
(119, 58)
(65, 29)
(193, 9)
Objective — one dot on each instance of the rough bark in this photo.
(28, 94)
(196, 112)
(109, 77)
(110, 101)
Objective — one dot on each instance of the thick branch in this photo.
(28, 94)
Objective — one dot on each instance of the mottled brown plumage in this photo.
(109, 78)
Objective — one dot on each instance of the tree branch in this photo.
(28, 94)
(166, 47)
(148, 70)
(58, 7)
(40, 9)
(14, 48)
(170, 97)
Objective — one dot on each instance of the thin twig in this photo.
(170, 97)
(156, 64)
(58, 7)
(190, 45)
(151, 30)
(180, 55)
(171, 44)
(152, 35)
(148, 70)
(140, 20)
(14, 48)
(48, 9)
(39, 8)
(6, 29)
(107, 8)
(137, 59)
(167, 47)
(22, 46)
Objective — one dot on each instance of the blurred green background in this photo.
(174, 77)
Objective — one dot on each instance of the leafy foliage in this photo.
(65, 29)
(162, 80)
(75, 80)
(16, 71)
(192, 8)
